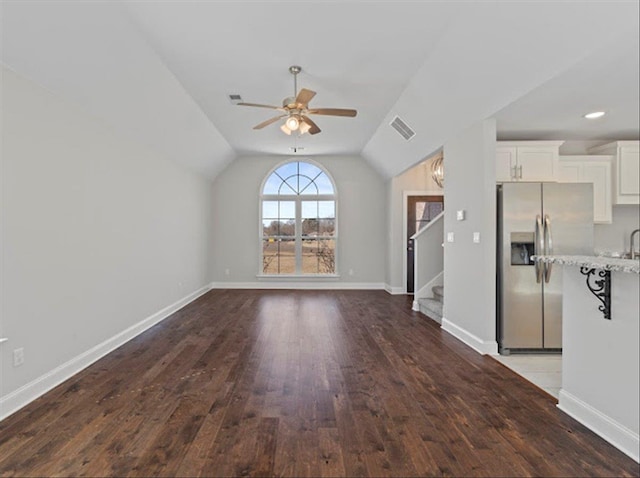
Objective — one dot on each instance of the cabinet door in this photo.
(505, 164)
(599, 174)
(628, 175)
(537, 164)
(569, 171)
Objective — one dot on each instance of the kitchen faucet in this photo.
(632, 250)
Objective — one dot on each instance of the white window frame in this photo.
(298, 199)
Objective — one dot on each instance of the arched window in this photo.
(298, 221)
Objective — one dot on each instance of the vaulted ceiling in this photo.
(160, 72)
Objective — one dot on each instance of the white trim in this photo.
(3, 339)
(281, 277)
(300, 284)
(395, 290)
(484, 347)
(405, 209)
(615, 433)
(24, 395)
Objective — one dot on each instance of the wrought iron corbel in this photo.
(600, 286)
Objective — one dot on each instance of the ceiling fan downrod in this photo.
(294, 70)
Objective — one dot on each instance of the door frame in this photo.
(405, 210)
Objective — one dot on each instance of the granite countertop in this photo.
(615, 264)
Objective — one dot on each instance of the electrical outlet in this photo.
(476, 237)
(350, 272)
(460, 215)
(450, 237)
(18, 357)
(227, 272)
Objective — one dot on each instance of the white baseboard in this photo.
(394, 290)
(24, 395)
(299, 284)
(615, 433)
(485, 347)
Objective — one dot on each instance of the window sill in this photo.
(297, 276)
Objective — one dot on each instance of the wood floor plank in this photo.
(300, 383)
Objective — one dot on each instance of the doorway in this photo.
(420, 211)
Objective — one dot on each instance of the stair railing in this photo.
(428, 258)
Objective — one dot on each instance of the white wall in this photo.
(615, 237)
(469, 279)
(417, 178)
(601, 389)
(361, 221)
(98, 234)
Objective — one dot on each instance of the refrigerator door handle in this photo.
(538, 248)
(548, 247)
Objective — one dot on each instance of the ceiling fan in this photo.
(296, 110)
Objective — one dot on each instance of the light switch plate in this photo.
(450, 237)
(460, 215)
(476, 237)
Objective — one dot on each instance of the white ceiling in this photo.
(160, 71)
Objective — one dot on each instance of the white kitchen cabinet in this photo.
(527, 161)
(595, 170)
(626, 170)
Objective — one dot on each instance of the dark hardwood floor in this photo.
(300, 383)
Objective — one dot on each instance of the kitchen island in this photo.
(600, 346)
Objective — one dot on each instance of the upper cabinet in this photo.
(626, 170)
(527, 160)
(595, 170)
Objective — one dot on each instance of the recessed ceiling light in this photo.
(594, 115)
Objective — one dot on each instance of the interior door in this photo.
(420, 211)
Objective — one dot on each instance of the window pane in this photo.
(327, 256)
(309, 169)
(310, 258)
(289, 186)
(327, 209)
(309, 209)
(287, 210)
(310, 227)
(308, 187)
(324, 184)
(286, 170)
(287, 228)
(269, 209)
(270, 256)
(272, 184)
(326, 227)
(287, 256)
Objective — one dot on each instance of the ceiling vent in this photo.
(403, 128)
(235, 99)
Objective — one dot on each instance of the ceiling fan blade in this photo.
(314, 129)
(262, 106)
(333, 112)
(304, 96)
(268, 122)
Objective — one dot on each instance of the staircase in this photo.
(432, 307)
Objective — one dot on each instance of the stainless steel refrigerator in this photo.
(537, 218)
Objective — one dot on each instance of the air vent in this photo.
(235, 99)
(403, 128)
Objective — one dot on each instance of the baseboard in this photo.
(415, 306)
(394, 290)
(485, 347)
(299, 284)
(24, 395)
(618, 435)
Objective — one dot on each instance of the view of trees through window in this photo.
(298, 221)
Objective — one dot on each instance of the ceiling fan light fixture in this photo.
(292, 123)
(285, 129)
(304, 127)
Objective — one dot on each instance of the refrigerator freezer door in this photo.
(521, 297)
(568, 210)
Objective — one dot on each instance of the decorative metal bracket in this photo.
(601, 288)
